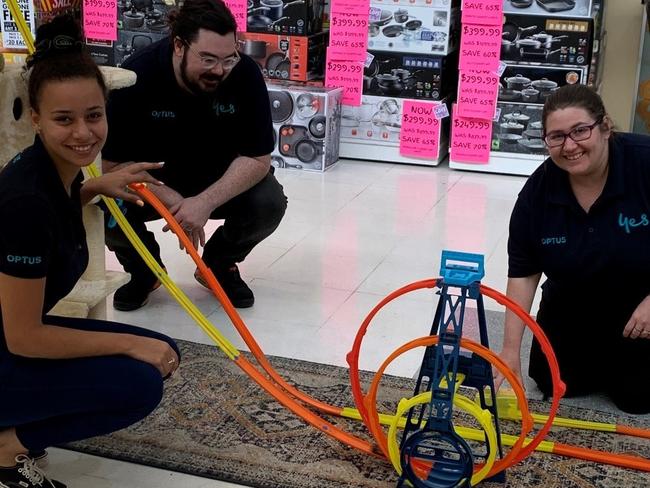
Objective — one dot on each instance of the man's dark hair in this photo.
(212, 15)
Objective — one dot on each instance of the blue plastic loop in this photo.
(461, 268)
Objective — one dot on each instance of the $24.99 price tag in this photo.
(470, 139)
(343, 69)
(420, 132)
(100, 19)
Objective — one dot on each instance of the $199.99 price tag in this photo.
(100, 19)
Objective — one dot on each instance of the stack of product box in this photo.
(545, 45)
(412, 54)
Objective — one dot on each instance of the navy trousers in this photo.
(51, 402)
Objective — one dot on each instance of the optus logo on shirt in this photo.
(13, 258)
(549, 241)
(163, 114)
(630, 223)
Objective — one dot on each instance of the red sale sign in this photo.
(420, 132)
(470, 139)
(100, 19)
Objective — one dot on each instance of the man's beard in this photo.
(194, 86)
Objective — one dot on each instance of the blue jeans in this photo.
(52, 402)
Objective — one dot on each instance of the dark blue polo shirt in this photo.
(41, 228)
(597, 255)
(197, 136)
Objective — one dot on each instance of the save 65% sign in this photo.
(420, 132)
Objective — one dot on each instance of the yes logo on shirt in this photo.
(630, 224)
(223, 108)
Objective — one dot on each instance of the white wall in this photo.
(623, 24)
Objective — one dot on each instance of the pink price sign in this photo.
(345, 71)
(100, 19)
(359, 7)
(420, 132)
(477, 94)
(482, 12)
(470, 139)
(480, 47)
(239, 9)
(349, 33)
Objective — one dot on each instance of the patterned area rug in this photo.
(214, 422)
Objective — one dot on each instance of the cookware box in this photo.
(519, 129)
(409, 29)
(408, 75)
(567, 8)
(437, 4)
(372, 130)
(547, 40)
(129, 42)
(531, 84)
(148, 16)
(288, 17)
(297, 58)
(306, 125)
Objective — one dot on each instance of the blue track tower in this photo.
(429, 433)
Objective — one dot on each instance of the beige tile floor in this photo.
(350, 236)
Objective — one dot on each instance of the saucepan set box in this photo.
(413, 29)
(306, 125)
(532, 84)
(372, 131)
(296, 58)
(437, 4)
(409, 75)
(288, 17)
(547, 40)
(518, 129)
(565, 8)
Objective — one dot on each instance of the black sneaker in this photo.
(134, 294)
(240, 295)
(26, 475)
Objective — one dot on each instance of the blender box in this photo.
(297, 58)
(306, 125)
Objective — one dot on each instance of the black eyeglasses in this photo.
(209, 62)
(577, 134)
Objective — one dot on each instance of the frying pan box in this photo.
(372, 131)
(295, 58)
(547, 40)
(288, 17)
(306, 125)
(437, 4)
(547, 8)
(129, 42)
(518, 129)
(411, 29)
(408, 75)
(532, 84)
